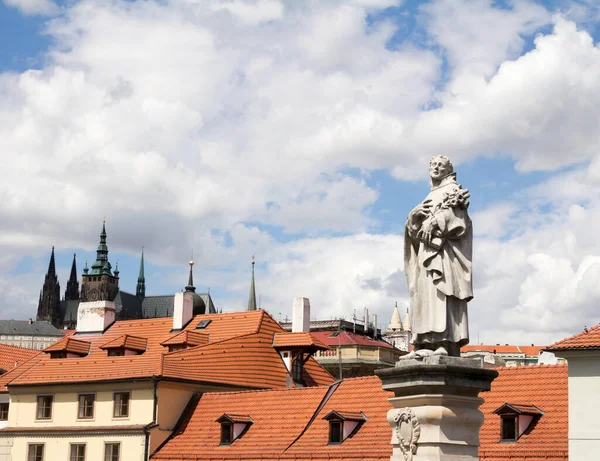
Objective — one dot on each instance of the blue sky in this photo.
(301, 133)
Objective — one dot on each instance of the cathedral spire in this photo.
(52, 265)
(72, 291)
(49, 302)
(140, 290)
(252, 295)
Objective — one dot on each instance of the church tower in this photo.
(72, 291)
(398, 334)
(100, 284)
(49, 303)
(140, 289)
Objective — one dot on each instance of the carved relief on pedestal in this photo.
(406, 431)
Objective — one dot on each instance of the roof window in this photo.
(202, 324)
(233, 427)
(343, 425)
(515, 420)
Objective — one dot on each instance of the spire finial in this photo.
(252, 294)
(190, 286)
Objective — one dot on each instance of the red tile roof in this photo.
(11, 356)
(587, 339)
(348, 338)
(248, 360)
(186, 337)
(503, 349)
(287, 424)
(291, 340)
(69, 344)
(240, 354)
(544, 386)
(134, 343)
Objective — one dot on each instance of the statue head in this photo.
(440, 166)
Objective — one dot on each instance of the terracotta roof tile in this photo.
(291, 340)
(240, 354)
(287, 424)
(11, 356)
(134, 343)
(248, 360)
(186, 337)
(587, 339)
(503, 349)
(348, 338)
(69, 344)
(544, 386)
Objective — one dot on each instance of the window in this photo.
(35, 452)
(44, 406)
(112, 451)
(298, 370)
(226, 433)
(335, 432)
(509, 432)
(202, 324)
(77, 452)
(121, 408)
(3, 411)
(86, 406)
(118, 352)
(58, 355)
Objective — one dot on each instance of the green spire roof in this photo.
(252, 295)
(101, 265)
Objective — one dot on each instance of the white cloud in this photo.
(34, 7)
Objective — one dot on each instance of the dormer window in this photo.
(515, 419)
(185, 339)
(295, 349)
(68, 348)
(233, 427)
(343, 425)
(125, 345)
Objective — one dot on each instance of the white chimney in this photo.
(301, 315)
(183, 309)
(95, 316)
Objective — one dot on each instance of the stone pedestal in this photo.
(436, 403)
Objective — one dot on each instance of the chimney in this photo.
(366, 321)
(95, 316)
(30, 321)
(183, 309)
(374, 326)
(301, 315)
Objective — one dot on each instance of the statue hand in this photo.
(427, 231)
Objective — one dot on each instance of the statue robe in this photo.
(439, 273)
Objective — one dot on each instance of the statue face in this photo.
(439, 168)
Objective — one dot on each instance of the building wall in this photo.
(29, 342)
(584, 404)
(23, 407)
(58, 448)
(22, 414)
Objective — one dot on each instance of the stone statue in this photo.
(438, 242)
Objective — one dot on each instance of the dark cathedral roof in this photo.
(128, 306)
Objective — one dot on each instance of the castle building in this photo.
(399, 335)
(101, 283)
